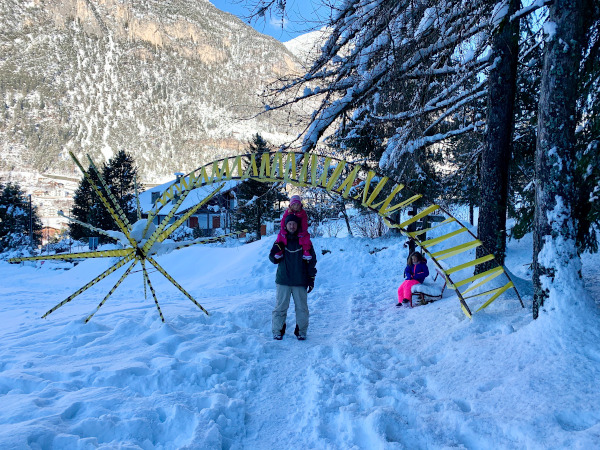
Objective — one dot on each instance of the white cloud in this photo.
(278, 21)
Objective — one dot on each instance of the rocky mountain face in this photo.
(174, 82)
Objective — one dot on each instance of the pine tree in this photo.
(15, 219)
(587, 178)
(86, 208)
(257, 202)
(587, 207)
(415, 73)
(496, 156)
(119, 174)
(555, 256)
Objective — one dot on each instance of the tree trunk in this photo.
(410, 228)
(555, 255)
(258, 222)
(471, 213)
(342, 206)
(491, 226)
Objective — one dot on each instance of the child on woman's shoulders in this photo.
(296, 209)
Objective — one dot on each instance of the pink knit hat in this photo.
(295, 199)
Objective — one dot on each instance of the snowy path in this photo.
(369, 375)
(591, 276)
(335, 389)
(289, 385)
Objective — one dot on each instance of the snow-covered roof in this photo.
(192, 199)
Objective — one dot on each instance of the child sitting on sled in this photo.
(415, 273)
(297, 210)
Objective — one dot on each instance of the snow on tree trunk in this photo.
(556, 264)
(498, 147)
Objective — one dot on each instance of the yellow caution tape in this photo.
(187, 215)
(470, 264)
(437, 240)
(376, 192)
(290, 165)
(69, 256)
(348, 183)
(496, 295)
(113, 289)
(414, 234)
(485, 280)
(452, 251)
(152, 239)
(176, 284)
(115, 204)
(422, 214)
(147, 279)
(335, 175)
(458, 284)
(385, 209)
(466, 311)
(91, 283)
(105, 202)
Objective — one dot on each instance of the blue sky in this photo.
(302, 15)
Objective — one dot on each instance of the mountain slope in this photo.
(166, 80)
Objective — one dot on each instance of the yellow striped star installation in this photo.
(142, 241)
(373, 191)
(379, 194)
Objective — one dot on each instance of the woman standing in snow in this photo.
(415, 273)
(295, 277)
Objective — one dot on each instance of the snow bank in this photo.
(370, 375)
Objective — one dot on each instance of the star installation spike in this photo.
(141, 241)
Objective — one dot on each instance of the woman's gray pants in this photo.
(283, 294)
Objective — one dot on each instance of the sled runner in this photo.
(429, 291)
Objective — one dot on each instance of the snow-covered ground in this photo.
(369, 375)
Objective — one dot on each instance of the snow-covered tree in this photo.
(86, 208)
(556, 263)
(587, 133)
(521, 188)
(415, 76)
(497, 152)
(257, 202)
(15, 216)
(119, 174)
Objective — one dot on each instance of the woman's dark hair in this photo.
(418, 255)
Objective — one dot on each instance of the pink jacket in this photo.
(300, 215)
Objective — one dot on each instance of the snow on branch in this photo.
(466, 100)
(391, 155)
(537, 4)
(373, 62)
(450, 70)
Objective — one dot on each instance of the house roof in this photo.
(192, 199)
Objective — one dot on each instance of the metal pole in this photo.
(30, 224)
